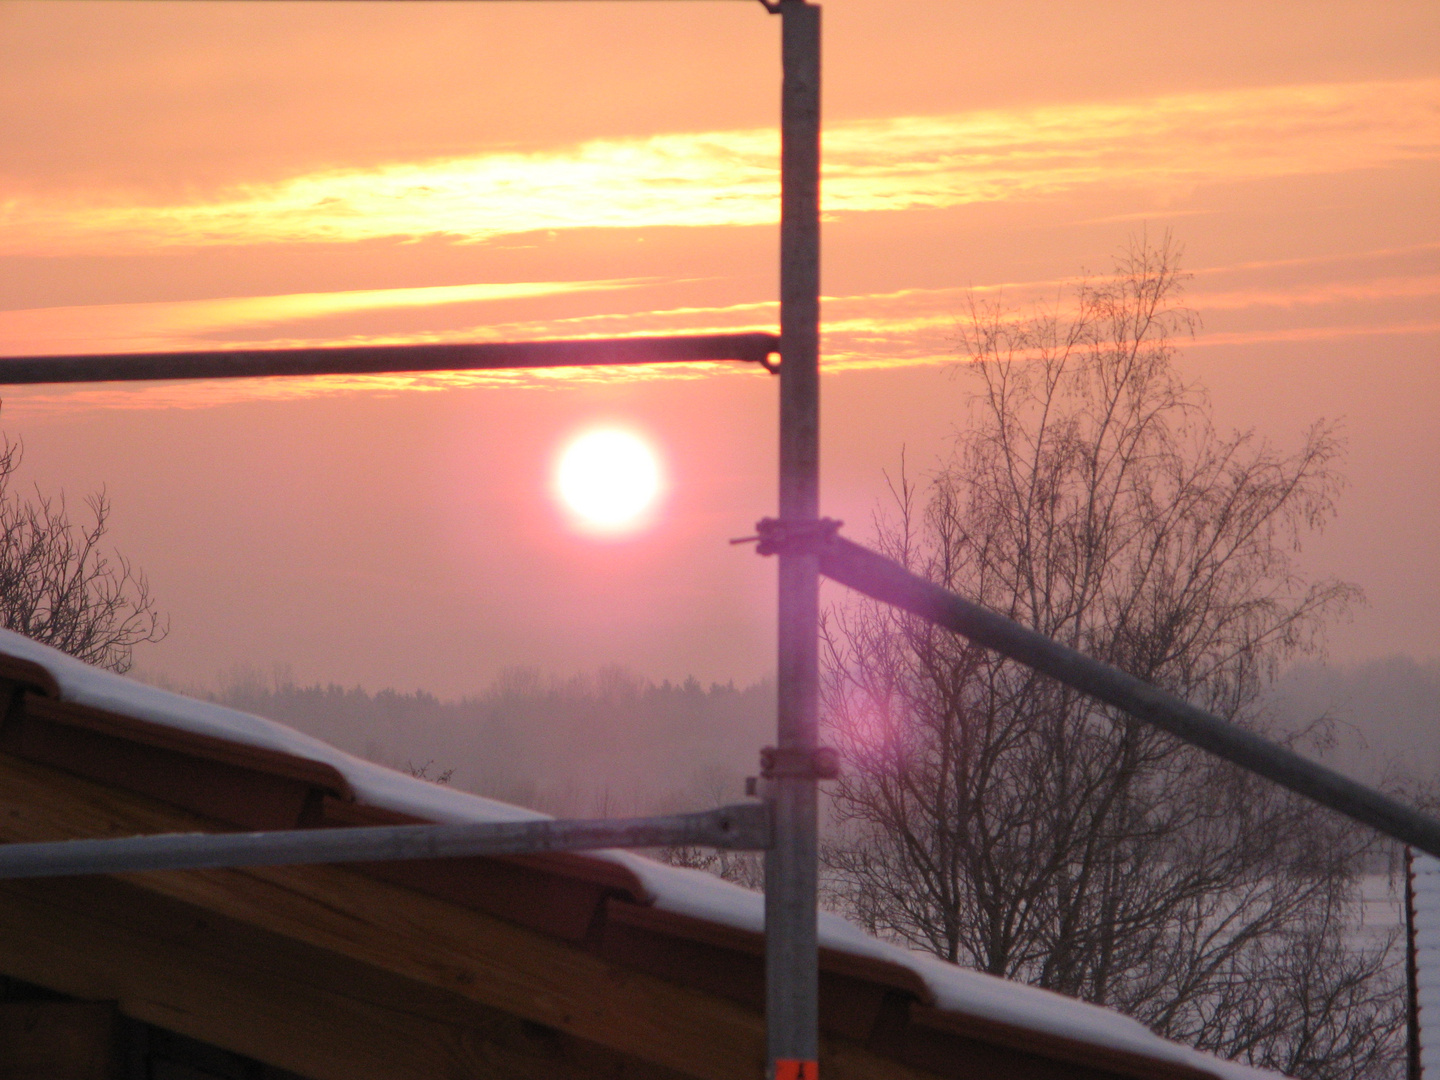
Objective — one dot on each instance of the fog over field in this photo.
(1384, 715)
(612, 742)
(606, 743)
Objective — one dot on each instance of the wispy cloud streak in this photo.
(238, 321)
(1367, 294)
(730, 178)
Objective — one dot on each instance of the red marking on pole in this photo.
(790, 1069)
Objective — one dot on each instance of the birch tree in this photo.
(1002, 821)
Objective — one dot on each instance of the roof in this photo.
(228, 769)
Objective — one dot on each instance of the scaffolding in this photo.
(784, 824)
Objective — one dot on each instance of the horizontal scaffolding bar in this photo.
(386, 359)
(880, 578)
(745, 826)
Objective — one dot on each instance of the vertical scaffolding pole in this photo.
(791, 963)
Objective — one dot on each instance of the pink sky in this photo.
(200, 175)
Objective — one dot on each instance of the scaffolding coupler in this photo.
(805, 536)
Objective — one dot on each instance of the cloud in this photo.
(730, 178)
(1420, 286)
(1369, 293)
(233, 321)
(1317, 333)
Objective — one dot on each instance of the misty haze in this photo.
(612, 742)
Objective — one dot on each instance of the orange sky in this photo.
(208, 174)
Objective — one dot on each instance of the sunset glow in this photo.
(196, 177)
(608, 480)
(730, 178)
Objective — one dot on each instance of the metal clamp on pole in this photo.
(801, 536)
(822, 763)
(883, 579)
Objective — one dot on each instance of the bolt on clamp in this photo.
(801, 536)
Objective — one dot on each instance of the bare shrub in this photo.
(58, 584)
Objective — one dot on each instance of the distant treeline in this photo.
(1384, 717)
(614, 742)
(609, 742)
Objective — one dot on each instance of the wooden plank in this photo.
(243, 786)
(57, 1040)
(428, 942)
(486, 960)
(557, 893)
(727, 962)
(289, 1005)
(18, 674)
(190, 744)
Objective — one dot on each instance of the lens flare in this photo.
(608, 480)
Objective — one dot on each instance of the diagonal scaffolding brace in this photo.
(883, 579)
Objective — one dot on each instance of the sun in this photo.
(608, 480)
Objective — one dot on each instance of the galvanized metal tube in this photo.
(791, 959)
(878, 577)
(384, 359)
(745, 826)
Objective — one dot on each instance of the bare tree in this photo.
(60, 587)
(1002, 821)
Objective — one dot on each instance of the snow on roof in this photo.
(681, 891)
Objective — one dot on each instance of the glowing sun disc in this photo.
(608, 479)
